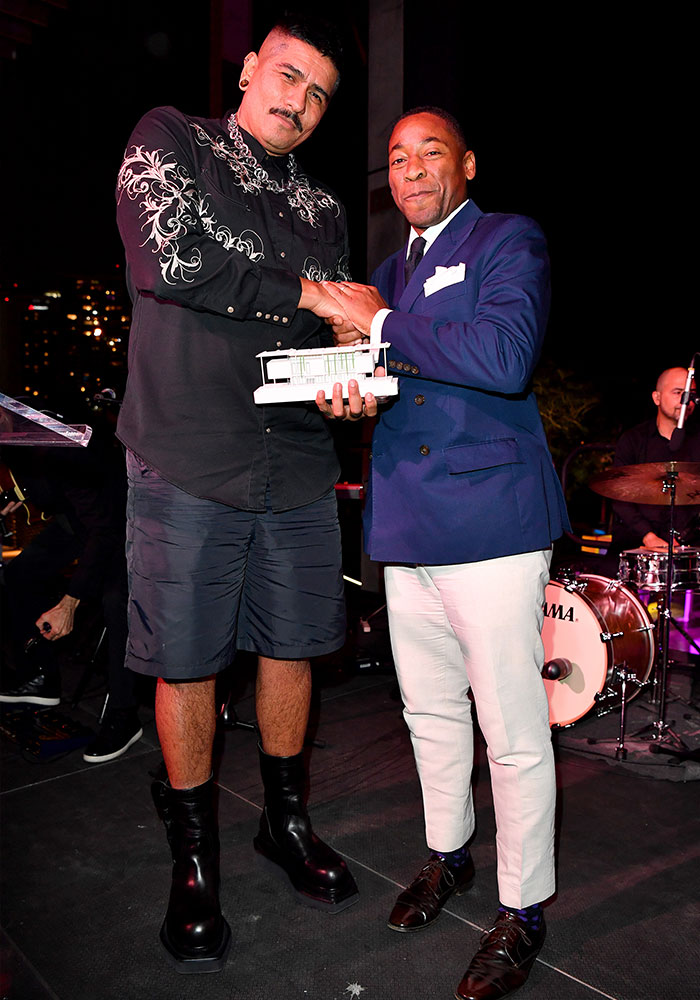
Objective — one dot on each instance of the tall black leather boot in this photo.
(318, 874)
(194, 932)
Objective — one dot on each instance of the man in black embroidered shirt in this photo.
(233, 538)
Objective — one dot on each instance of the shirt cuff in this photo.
(375, 330)
(277, 299)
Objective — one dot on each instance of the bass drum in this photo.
(592, 625)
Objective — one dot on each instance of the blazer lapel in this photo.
(397, 284)
(439, 252)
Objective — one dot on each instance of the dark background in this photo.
(577, 116)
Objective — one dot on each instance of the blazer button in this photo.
(424, 449)
(419, 400)
(392, 364)
(414, 369)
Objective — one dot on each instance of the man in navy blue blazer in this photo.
(463, 506)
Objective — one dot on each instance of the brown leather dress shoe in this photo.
(503, 961)
(421, 902)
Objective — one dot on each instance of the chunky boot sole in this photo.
(329, 900)
(195, 934)
(286, 840)
(186, 965)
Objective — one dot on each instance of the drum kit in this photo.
(602, 646)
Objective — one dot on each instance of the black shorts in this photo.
(206, 579)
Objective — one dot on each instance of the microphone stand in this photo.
(661, 728)
(678, 434)
(664, 738)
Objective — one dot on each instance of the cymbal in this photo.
(644, 483)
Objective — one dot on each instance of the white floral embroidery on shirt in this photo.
(172, 206)
(247, 172)
(314, 272)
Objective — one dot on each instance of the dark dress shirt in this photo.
(643, 443)
(216, 240)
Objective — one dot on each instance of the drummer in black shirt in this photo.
(647, 525)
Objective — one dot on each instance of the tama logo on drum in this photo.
(557, 611)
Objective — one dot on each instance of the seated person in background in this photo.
(647, 525)
(78, 555)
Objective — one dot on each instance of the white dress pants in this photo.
(477, 625)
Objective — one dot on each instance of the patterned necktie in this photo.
(415, 255)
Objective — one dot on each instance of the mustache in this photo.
(292, 115)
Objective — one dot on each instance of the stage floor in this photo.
(86, 868)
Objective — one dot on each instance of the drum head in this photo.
(571, 632)
(591, 627)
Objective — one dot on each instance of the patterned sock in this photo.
(453, 859)
(532, 915)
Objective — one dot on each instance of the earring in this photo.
(243, 83)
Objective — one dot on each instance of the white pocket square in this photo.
(443, 277)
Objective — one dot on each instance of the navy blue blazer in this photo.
(460, 468)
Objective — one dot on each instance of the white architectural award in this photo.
(295, 376)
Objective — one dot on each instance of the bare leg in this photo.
(283, 697)
(194, 932)
(319, 875)
(186, 721)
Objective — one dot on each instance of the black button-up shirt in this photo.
(643, 443)
(216, 235)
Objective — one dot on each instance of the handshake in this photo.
(346, 306)
(349, 309)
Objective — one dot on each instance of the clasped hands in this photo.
(348, 308)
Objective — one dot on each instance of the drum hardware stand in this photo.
(624, 676)
(621, 673)
(364, 622)
(567, 577)
(679, 628)
(663, 738)
(227, 718)
(665, 613)
(680, 482)
(572, 583)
